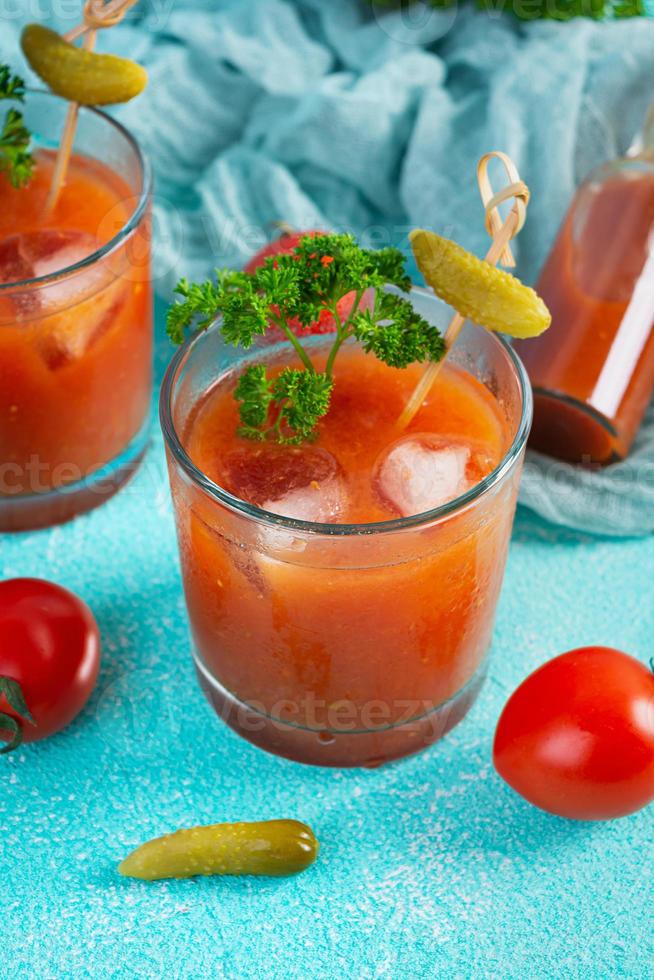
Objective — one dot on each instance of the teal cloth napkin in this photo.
(325, 113)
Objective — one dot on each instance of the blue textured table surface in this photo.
(428, 867)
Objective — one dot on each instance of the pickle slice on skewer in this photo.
(270, 847)
(479, 291)
(78, 75)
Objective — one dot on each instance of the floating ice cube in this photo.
(33, 254)
(14, 266)
(66, 336)
(71, 312)
(304, 483)
(423, 471)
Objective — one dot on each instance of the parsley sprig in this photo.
(562, 10)
(299, 287)
(16, 159)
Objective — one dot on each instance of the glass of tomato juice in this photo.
(327, 628)
(75, 321)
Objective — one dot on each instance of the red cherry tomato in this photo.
(577, 737)
(287, 242)
(49, 659)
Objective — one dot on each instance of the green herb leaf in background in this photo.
(539, 9)
(16, 159)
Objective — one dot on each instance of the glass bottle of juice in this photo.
(592, 372)
(341, 589)
(75, 322)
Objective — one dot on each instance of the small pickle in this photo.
(477, 290)
(79, 75)
(270, 847)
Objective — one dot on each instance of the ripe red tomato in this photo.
(284, 244)
(577, 737)
(49, 659)
(287, 242)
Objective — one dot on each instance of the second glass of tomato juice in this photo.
(75, 321)
(341, 593)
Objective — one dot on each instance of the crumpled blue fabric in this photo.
(325, 113)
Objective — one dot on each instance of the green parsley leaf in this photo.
(16, 159)
(299, 399)
(11, 86)
(199, 304)
(395, 333)
(254, 392)
(562, 10)
(303, 398)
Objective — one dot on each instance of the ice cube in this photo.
(423, 471)
(14, 266)
(71, 313)
(66, 336)
(304, 483)
(33, 254)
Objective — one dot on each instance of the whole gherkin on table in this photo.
(271, 847)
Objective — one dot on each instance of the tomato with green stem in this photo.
(577, 737)
(49, 659)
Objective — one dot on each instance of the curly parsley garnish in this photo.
(15, 157)
(562, 10)
(300, 287)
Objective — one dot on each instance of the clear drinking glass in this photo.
(343, 645)
(75, 322)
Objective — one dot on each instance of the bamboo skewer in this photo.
(499, 253)
(97, 15)
(66, 145)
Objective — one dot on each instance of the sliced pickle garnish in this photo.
(79, 75)
(479, 291)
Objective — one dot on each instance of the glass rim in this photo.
(234, 503)
(130, 225)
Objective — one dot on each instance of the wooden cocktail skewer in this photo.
(97, 15)
(499, 252)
